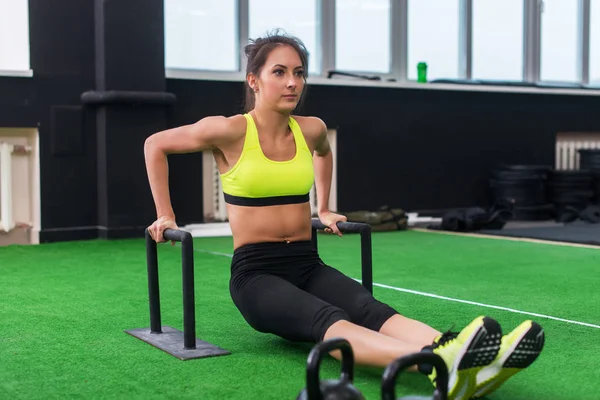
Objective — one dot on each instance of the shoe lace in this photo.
(446, 337)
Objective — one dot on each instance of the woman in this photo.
(268, 161)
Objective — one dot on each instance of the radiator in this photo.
(567, 146)
(6, 210)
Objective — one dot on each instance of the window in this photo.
(201, 34)
(300, 21)
(560, 41)
(14, 35)
(498, 40)
(595, 43)
(362, 35)
(433, 37)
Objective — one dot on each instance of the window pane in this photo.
(595, 43)
(559, 40)
(14, 35)
(268, 15)
(362, 35)
(433, 37)
(498, 39)
(201, 34)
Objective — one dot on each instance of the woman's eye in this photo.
(278, 72)
(300, 73)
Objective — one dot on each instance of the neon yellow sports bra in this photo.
(255, 180)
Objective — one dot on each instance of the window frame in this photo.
(21, 72)
(532, 11)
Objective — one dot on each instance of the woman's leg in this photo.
(464, 352)
(271, 304)
(342, 291)
(369, 347)
(409, 330)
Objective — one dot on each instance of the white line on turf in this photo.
(485, 305)
(448, 298)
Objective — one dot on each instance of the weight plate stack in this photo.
(527, 186)
(570, 191)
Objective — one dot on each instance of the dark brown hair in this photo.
(259, 49)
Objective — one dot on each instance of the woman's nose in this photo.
(291, 82)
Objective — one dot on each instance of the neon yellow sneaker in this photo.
(465, 354)
(519, 349)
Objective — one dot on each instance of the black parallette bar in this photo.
(187, 281)
(167, 338)
(153, 286)
(366, 248)
(189, 307)
(126, 97)
(366, 255)
(344, 226)
(177, 235)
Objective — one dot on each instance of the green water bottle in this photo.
(422, 72)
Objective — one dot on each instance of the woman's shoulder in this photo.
(233, 125)
(220, 129)
(311, 126)
(237, 122)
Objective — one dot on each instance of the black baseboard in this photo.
(439, 213)
(89, 233)
(68, 234)
(127, 232)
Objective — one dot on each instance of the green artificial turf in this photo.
(64, 308)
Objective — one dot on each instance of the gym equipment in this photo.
(590, 214)
(390, 375)
(526, 186)
(366, 250)
(331, 389)
(384, 219)
(476, 218)
(570, 190)
(184, 345)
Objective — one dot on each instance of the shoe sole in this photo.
(480, 348)
(527, 343)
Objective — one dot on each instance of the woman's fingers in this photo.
(334, 228)
(158, 227)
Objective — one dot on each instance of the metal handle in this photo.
(388, 383)
(313, 389)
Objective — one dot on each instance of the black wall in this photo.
(62, 57)
(415, 149)
(418, 149)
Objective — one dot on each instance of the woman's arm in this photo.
(206, 134)
(323, 165)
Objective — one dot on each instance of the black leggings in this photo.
(285, 289)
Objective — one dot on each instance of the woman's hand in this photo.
(158, 227)
(330, 219)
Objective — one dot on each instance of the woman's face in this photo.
(281, 80)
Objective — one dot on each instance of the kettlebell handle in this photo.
(390, 375)
(313, 389)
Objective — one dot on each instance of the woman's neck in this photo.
(271, 122)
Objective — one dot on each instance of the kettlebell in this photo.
(331, 389)
(388, 383)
